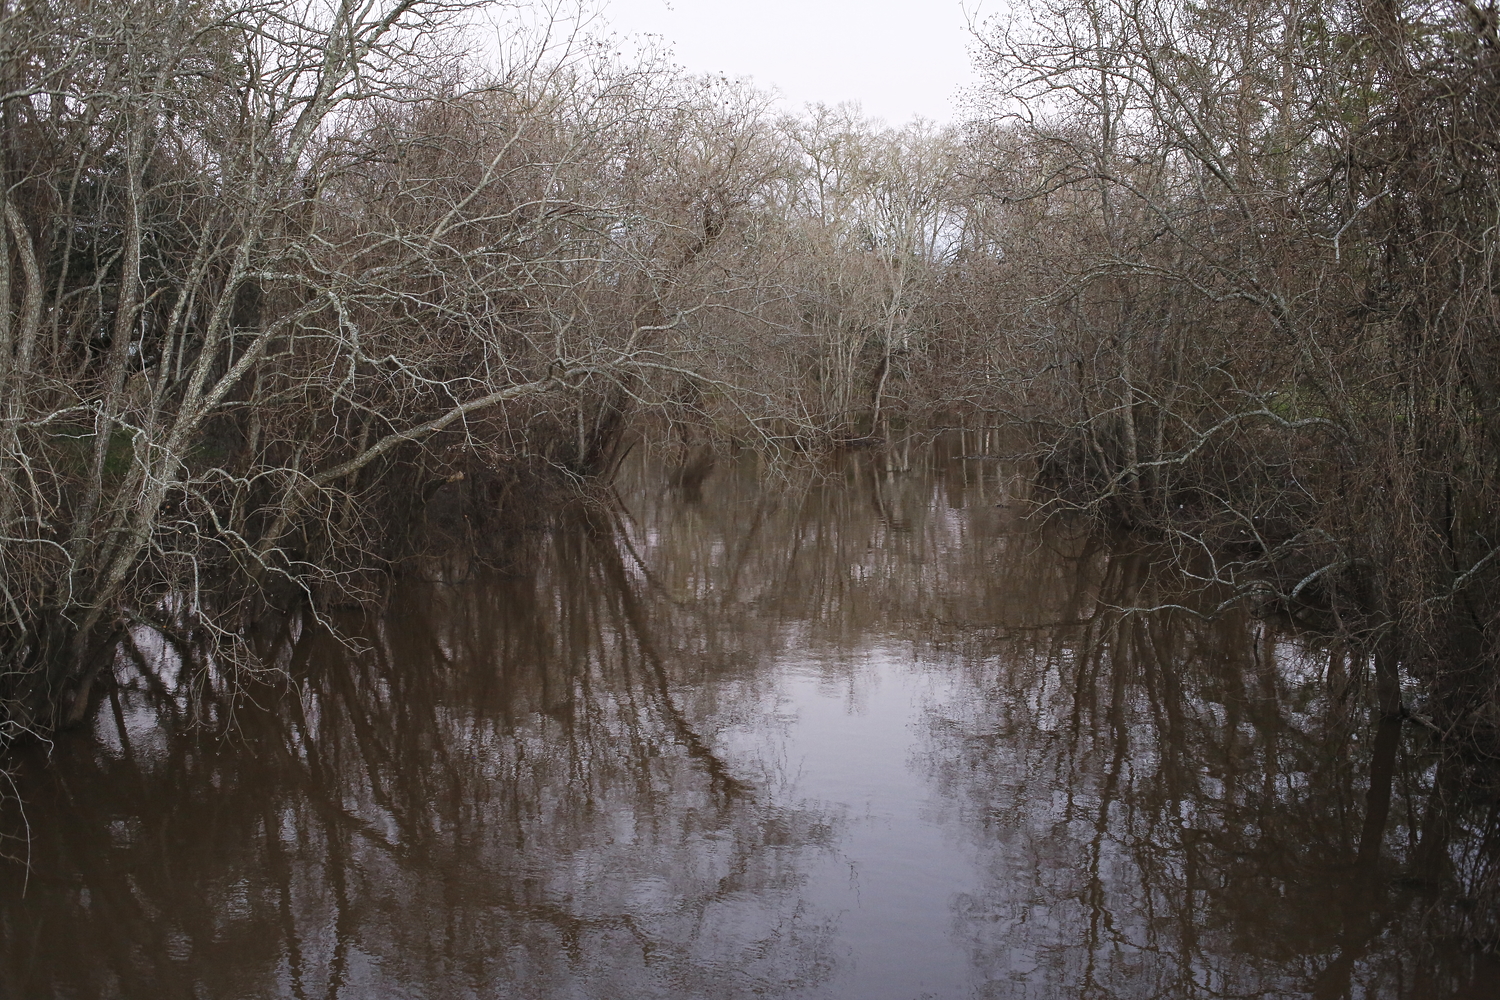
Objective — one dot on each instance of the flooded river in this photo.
(865, 732)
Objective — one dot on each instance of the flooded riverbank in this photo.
(868, 733)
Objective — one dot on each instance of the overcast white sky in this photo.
(897, 58)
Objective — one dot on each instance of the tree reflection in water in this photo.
(569, 779)
(1171, 806)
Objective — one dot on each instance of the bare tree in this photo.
(284, 269)
(1238, 315)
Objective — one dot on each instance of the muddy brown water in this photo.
(867, 734)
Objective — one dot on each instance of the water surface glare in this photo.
(861, 734)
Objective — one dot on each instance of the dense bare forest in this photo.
(281, 280)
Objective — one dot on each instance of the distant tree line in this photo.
(274, 274)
